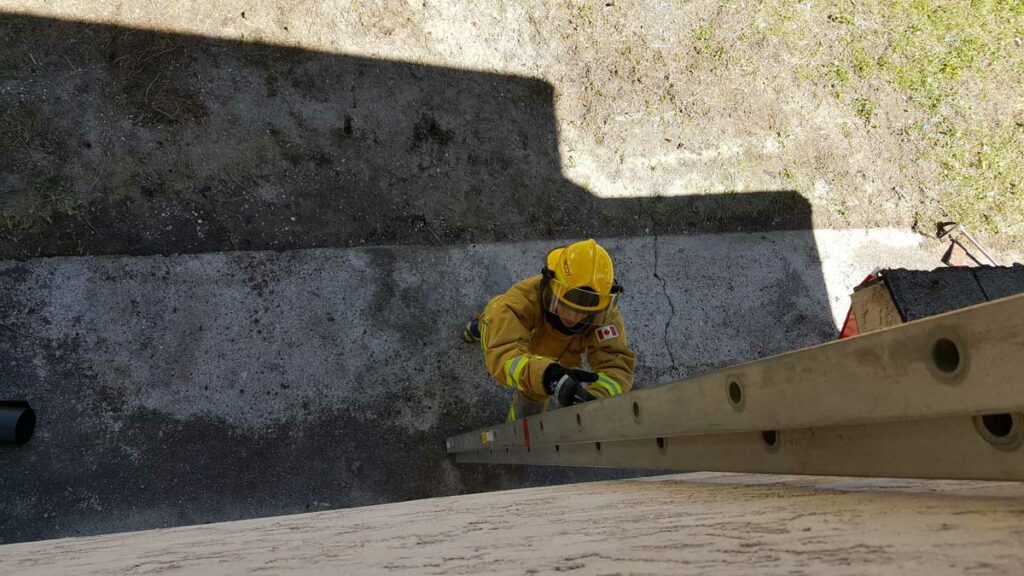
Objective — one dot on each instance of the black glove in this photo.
(581, 394)
(552, 375)
(582, 375)
(568, 385)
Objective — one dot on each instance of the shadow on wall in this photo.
(120, 141)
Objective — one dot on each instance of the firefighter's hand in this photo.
(553, 375)
(582, 375)
(569, 391)
(567, 385)
(581, 394)
(554, 372)
(558, 382)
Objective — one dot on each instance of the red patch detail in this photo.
(526, 432)
(607, 333)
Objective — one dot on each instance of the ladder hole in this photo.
(598, 446)
(541, 425)
(661, 443)
(579, 421)
(1002, 431)
(998, 425)
(735, 394)
(636, 410)
(770, 437)
(557, 448)
(946, 355)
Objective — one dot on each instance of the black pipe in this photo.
(17, 422)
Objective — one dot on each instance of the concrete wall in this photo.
(187, 389)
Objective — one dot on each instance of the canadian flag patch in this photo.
(607, 332)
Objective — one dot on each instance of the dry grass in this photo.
(956, 68)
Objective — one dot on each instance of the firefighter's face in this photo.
(569, 317)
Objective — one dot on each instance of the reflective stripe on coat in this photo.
(518, 345)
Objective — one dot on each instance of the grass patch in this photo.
(986, 169)
(584, 13)
(933, 46)
(48, 198)
(838, 79)
(865, 108)
(936, 56)
(34, 149)
(955, 69)
(704, 43)
(703, 34)
(863, 65)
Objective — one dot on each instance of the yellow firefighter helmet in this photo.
(581, 277)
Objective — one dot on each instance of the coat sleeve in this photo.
(505, 328)
(609, 355)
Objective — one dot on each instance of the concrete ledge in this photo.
(729, 524)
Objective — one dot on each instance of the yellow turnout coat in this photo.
(518, 344)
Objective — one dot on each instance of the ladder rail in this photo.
(946, 368)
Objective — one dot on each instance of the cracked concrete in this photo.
(189, 389)
(671, 307)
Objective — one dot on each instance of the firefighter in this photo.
(534, 336)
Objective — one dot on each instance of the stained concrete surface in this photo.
(189, 389)
(684, 524)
